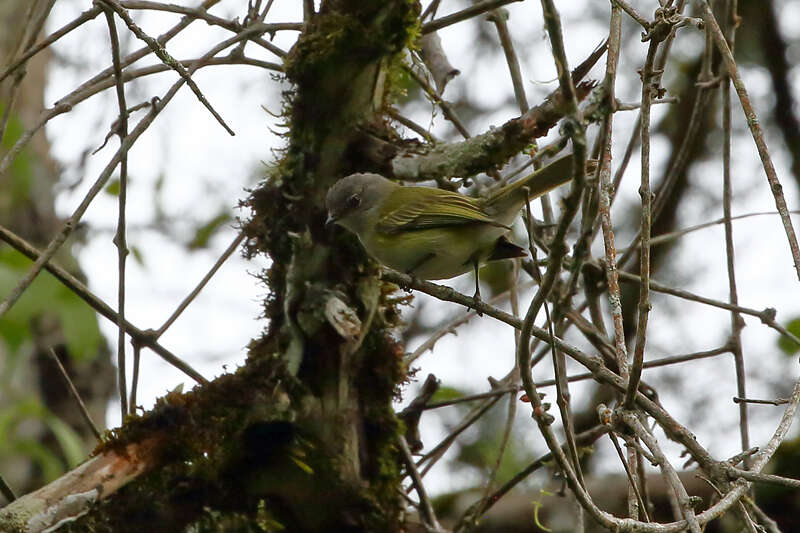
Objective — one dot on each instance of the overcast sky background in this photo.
(205, 169)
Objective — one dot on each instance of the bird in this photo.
(431, 233)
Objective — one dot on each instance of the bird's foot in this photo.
(478, 301)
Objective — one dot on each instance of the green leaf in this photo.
(113, 187)
(303, 466)
(136, 252)
(204, 233)
(69, 440)
(45, 295)
(447, 393)
(49, 462)
(787, 345)
(12, 444)
(21, 170)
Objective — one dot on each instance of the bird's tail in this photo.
(511, 197)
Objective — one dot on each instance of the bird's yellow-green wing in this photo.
(416, 208)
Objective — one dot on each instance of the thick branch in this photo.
(495, 147)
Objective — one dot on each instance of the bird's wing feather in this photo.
(425, 207)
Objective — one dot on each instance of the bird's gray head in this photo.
(352, 199)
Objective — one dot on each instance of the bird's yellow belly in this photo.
(436, 253)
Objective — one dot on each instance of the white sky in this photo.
(206, 169)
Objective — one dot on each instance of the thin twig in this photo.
(465, 14)
(630, 106)
(119, 238)
(585, 438)
(778, 401)
(101, 181)
(84, 17)
(438, 451)
(767, 316)
(192, 295)
(644, 254)
(203, 14)
(770, 524)
(670, 475)
(498, 17)
(764, 478)
(105, 80)
(137, 356)
(469, 398)
(673, 235)
(34, 22)
(606, 193)
(631, 11)
(737, 323)
(450, 326)
(425, 503)
(755, 128)
(558, 251)
(653, 363)
(631, 479)
(76, 286)
(76, 396)
(447, 109)
(162, 54)
(413, 126)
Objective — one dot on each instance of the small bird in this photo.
(432, 233)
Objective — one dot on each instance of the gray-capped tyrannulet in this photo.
(432, 233)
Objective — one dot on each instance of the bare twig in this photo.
(767, 316)
(645, 215)
(145, 338)
(556, 257)
(425, 503)
(464, 14)
(119, 238)
(631, 11)
(764, 478)
(755, 128)
(76, 396)
(192, 295)
(413, 126)
(778, 401)
(162, 54)
(72, 222)
(447, 109)
(670, 475)
(137, 353)
(585, 438)
(35, 18)
(737, 323)
(606, 193)
(105, 80)
(438, 451)
(84, 17)
(632, 481)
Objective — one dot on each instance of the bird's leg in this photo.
(477, 295)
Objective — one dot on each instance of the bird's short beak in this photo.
(330, 221)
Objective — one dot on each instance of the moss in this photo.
(232, 446)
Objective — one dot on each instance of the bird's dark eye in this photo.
(354, 201)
